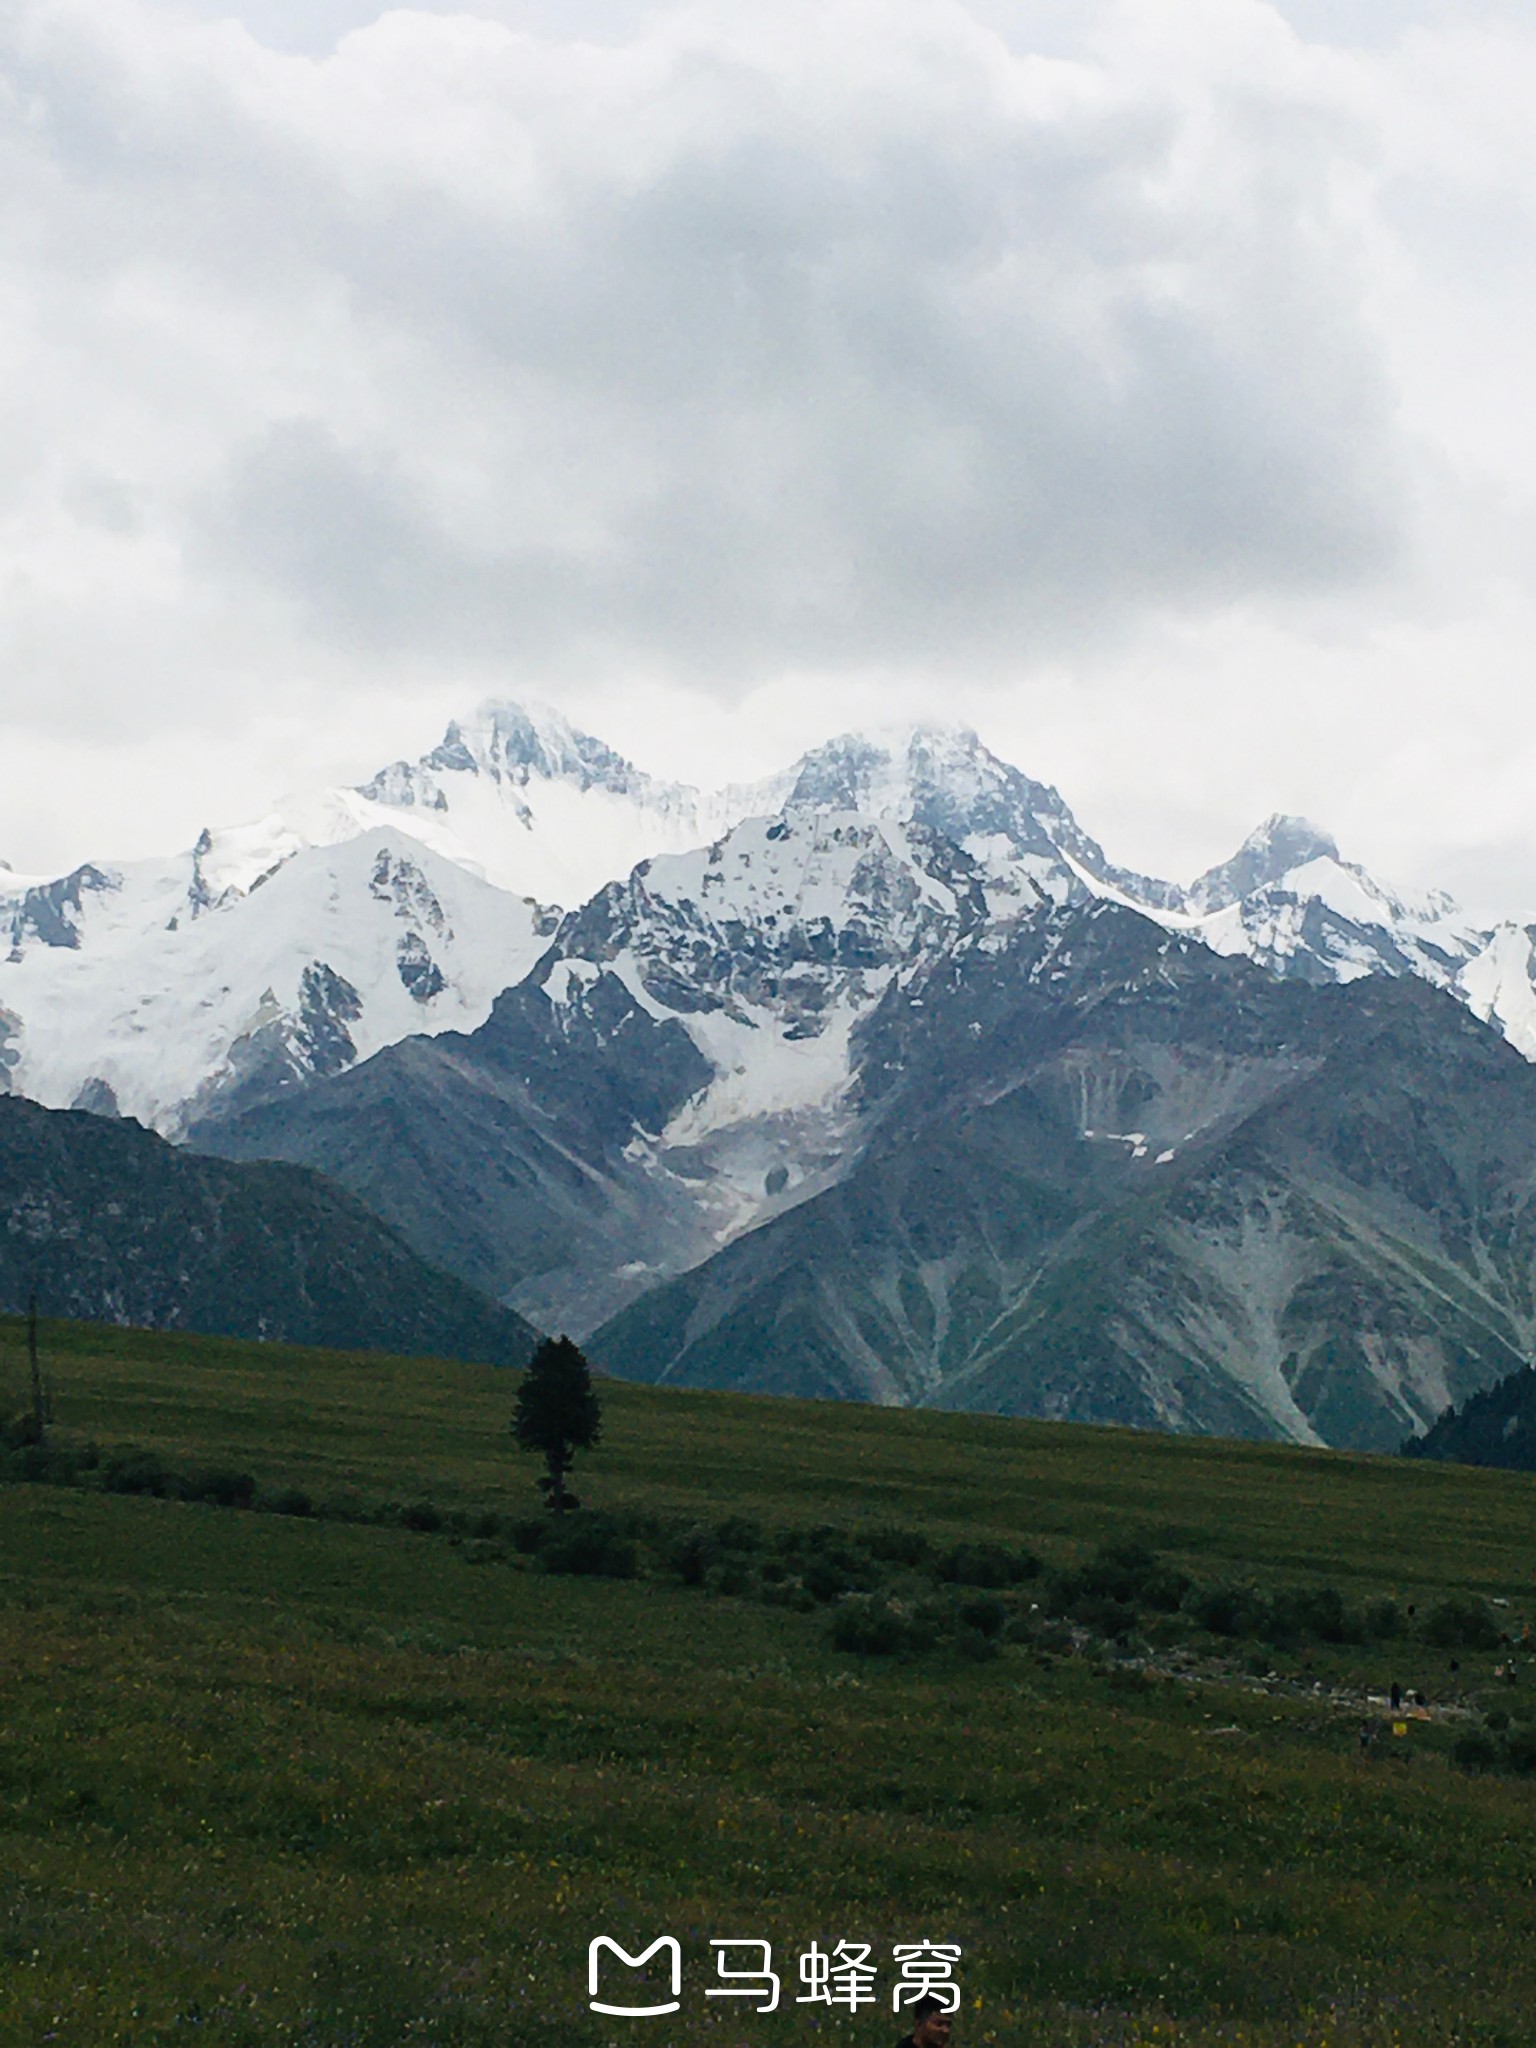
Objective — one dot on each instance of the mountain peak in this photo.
(1295, 839)
(947, 778)
(870, 770)
(514, 742)
(1271, 851)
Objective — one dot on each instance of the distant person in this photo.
(1396, 1696)
(930, 2026)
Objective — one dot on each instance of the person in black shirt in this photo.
(930, 2026)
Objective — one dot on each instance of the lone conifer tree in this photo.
(557, 1414)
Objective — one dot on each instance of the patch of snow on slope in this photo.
(760, 1070)
(1499, 985)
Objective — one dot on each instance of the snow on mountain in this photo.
(768, 947)
(518, 795)
(145, 989)
(515, 794)
(1288, 900)
(343, 920)
(1271, 851)
(1033, 850)
(1498, 984)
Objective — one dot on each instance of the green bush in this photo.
(587, 1545)
(1383, 1622)
(733, 1576)
(1118, 1571)
(891, 1545)
(135, 1471)
(1165, 1589)
(983, 1612)
(1314, 1614)
(1475, 1751)
(19, 1432)
(221, 1488)
(1228, 1610)
(824, 1579)
(36, 1464)
(738, 1532)
(692, 1554)
(871, 1627)
(1461, 1625)
(292, 1500)
(1520, 1750)
(788, 1593)
(986, 1564)
(1103, 1615)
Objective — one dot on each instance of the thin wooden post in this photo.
(39, 1415)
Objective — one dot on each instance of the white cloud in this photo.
(1145, 383)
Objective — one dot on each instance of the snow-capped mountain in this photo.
(768, 948)
(149, 991)
(344, 920)
(900, 1029)
(1020, 832)
(518, 795)
(166, 987)
(1289, 900)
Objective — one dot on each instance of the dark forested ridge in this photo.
(1495, 1427)
(106, 1222)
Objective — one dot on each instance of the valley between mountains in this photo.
(877, 1080)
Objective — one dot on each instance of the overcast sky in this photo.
(1147, 384)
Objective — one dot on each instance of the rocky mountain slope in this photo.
(675, 1068)
(1109, 1176)
(105, 1221)
(1081, 1167)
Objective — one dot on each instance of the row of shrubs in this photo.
(892, 1590)
(894, 1593)
(1125, 1585)
(801, 1568)
(130, 1469)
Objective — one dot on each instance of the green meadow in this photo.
(332, 1778)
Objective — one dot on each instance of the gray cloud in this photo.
(911, 369)
(983, 348)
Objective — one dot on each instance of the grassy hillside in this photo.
(271, 1779)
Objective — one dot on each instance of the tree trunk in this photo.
(558, 1467)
